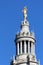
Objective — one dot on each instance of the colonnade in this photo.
(25, 48)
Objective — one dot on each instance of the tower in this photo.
(25, 44)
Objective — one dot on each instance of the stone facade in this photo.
(25, 45)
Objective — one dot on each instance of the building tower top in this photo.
(25, 45)
(25, 38)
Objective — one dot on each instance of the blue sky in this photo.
(10, 21)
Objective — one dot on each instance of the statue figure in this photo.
(25, 13)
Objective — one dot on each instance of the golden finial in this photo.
(25, 13)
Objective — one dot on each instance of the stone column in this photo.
(18, 48)
(32, 48)
(28, 47)
(21, 47)
(24, 46)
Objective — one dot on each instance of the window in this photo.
(27, 46)
(30, 46)
(23, 46)
(19, 47)
(16, 48)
